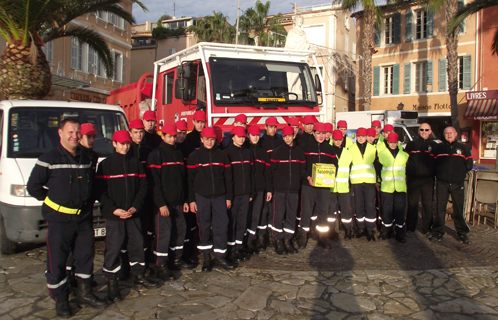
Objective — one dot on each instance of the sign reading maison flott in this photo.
(482, 95)
(436, 106)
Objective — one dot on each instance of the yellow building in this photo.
(409, 63)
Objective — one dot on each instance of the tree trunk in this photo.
(20, 78)
(368, 47)
(452, 63)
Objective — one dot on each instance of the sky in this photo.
(196, 8)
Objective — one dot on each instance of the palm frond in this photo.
(469, 9)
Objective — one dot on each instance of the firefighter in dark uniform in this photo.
(307, 134)
(261, 195)
(241, 161)
(315, 201)
(122, 187)
(168, 172)
(269, 142)
(194, 136)
(289, 164)
(239, 121)
(295, 124)
(151, 138)
(420, 179)
(63, 179)
(210, 196)
(453, 161)
(190, 251)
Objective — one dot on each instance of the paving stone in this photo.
(284, 307)
(378, 316)
(171, 300)
(242, 314)
(220, 313)
(147, 313)
(223, 291)
(453, 316)
(195, 294)
(394, 307)
(350, 303)
(310, 292)
(137, 304)
(266, 313)
(336, 315)
(214, 302)
(310, 306)
(277, 286)
(184, 311)
(294, 282)
(387, 289)
(21, 312)
(424, 280)
(424, 315)
(444, 292)
(253, 298)
(46, 314)
(111, 315)
(410, 303)
(373, 288)
(463, 305)
(425, 290)
(11, 304)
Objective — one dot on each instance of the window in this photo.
(76, 54)
(118, 67)
(346, 45)
(92, 65)
(421, 25)
(346, 21)
(461, 31)
(354, 51)
(48, 50)
(112, 19)
(172, 50)
(388, 34)
(346, 79)
(388, 79)
(420, 77)
(168, 88)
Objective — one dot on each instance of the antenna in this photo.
(174, 9)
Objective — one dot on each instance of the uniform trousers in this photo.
(419, 189)
(457, 192)
(117, 232)
(344, 204)
(314, 206)
(393, 211)
(237, 221)
(255, 208)
(73, 234)
(170, 234)
(284, 220)
(266, 216)
(332, 212)
(191, 236)
(364, 196)
(147, 221)
(212, 215)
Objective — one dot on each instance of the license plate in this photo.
(99, 232)
(271, 99)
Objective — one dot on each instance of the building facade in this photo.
(331, 33)
(409, 64)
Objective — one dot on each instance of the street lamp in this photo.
(401, 106)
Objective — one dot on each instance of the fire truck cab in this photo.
(226, 80)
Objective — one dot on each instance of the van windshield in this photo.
(243, 82)
(34, 131)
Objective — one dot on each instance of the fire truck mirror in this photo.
(183, 71)
(318, 85)
(181, 89)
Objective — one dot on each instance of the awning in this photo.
(62, 83)
(482, 105)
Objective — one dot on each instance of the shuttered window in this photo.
(442, 82)
(465, 72)
(408, 26)
(407, 78)
(376, 82)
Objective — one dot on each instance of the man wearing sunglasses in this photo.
(420, 179)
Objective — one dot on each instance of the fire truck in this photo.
(226, 80)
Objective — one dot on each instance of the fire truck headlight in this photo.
(18, 190)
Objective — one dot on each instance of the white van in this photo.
(28, 129)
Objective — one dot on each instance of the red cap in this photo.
(287, 130)
(329, 127)
(121, 136)
(371, 132)
(241, 118)
(89, 129)
(239, 131)
(169, 129)
(376, 123)
(392, 137)
(309, 119)
(342, 124)
(200, 115)
(361, 132)
(271, 121)
(136, 124)
(181, 125)
(208, 132)
(150, 115)
(337, 135)
(320, 127)
(254, 130)
(293, 121)
(388, 128)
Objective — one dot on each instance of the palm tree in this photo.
(255, 24)
(471, 8)
(371, 15)
(214, 28)
(28, 24)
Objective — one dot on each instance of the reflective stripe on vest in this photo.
(363, 170)
(393, 171)
(342, 178)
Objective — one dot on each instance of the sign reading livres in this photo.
(482, 95)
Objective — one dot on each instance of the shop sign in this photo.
(482, 95)
(86, 98)
(435, 106)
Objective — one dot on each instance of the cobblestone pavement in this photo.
(353, 280)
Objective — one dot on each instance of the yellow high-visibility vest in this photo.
(342, 178)
(363, 170)
(393, 171)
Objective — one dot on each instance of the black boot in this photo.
(207, 266)
(289, 247)
(252, 248)
(279, 247)
(323, 241)
(332, 235)
(260, 242)
(400, 238)
(361, 233)
(348, 235)
(62, 308)
(371, 235)
(179, 264)
(224, 263)
(302, 238)
(85, 297)
(385, 235)
(164, 274)
(113, 293)
(141, 280)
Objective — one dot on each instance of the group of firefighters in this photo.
(175, 194)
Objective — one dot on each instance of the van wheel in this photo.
(6, 246)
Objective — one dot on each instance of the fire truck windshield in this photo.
(243, 82)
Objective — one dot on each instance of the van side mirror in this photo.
(183, 71)
(181, 89)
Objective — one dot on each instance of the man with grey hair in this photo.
(453, 161)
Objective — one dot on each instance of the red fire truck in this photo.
(226, 80)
